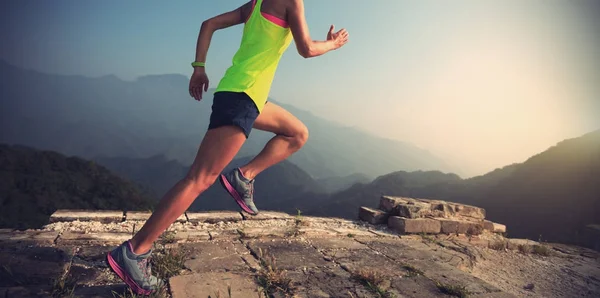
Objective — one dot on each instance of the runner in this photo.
(239, 105)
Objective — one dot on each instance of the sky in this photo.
(482, 84)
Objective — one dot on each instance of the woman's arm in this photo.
(307, 47)
(225, 20)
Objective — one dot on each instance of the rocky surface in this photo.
(204, 254)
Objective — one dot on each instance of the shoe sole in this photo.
(235, 195)
(125, 277)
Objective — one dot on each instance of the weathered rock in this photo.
(456, 226)
(325, 283)
(418, 225)
(413, 210)
(257, 232)
(93, 238)
(214, 284)
(289, 254)
(522, 245)
(214, 217)
(103, 216)
(45, 237)
(442, 209)
(469, 211)
(215, 256)
(190, 235)
(494, 227)
(265, 215)
(388, 204)
(372, 216)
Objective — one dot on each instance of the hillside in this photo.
(154, 115)
(34, 184)
(283, 187)
(553, 195)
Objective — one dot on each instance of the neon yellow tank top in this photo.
(264, 41)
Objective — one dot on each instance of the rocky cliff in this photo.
(455, 253)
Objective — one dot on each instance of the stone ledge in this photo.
(454, 226)
(372, 216)
(94, 238)
(144, 215)
(494, 227)
(414, 226)
(103, 216)
(45, 237)
(214, 216)
(266, 215)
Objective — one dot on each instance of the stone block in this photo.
(144, 215)
(455, 226)
(442, 209)
(414, 226)
(372, 216)
(94, 238)
(494, 227)
(40, 237)
(413, 210)
(388, 204)
(213, 284)
(257, 232)
(214, 217)
(468, 211)
(215, 256)
(265, 215)
(104, 216)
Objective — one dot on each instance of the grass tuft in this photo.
(373, 281)
(272, 279)
(453, 290)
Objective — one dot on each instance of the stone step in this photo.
(103, 216)
(372, 216)
(494, 227)
(414, 226)
(456, 226)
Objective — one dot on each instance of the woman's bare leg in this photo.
(291, 135)
(218, 148)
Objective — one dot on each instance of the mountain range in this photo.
(551, 196)
(154, 115)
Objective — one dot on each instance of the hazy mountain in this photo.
(154, 115)
(335, 184)
(552, 195)
(284, 187)
(34, 184)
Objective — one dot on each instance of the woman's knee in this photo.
(201, 181)
(300, 136)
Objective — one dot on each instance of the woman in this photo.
(240, 104)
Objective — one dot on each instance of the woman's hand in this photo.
(339, 38)
(198, 82)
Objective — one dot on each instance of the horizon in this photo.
(474, 79)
